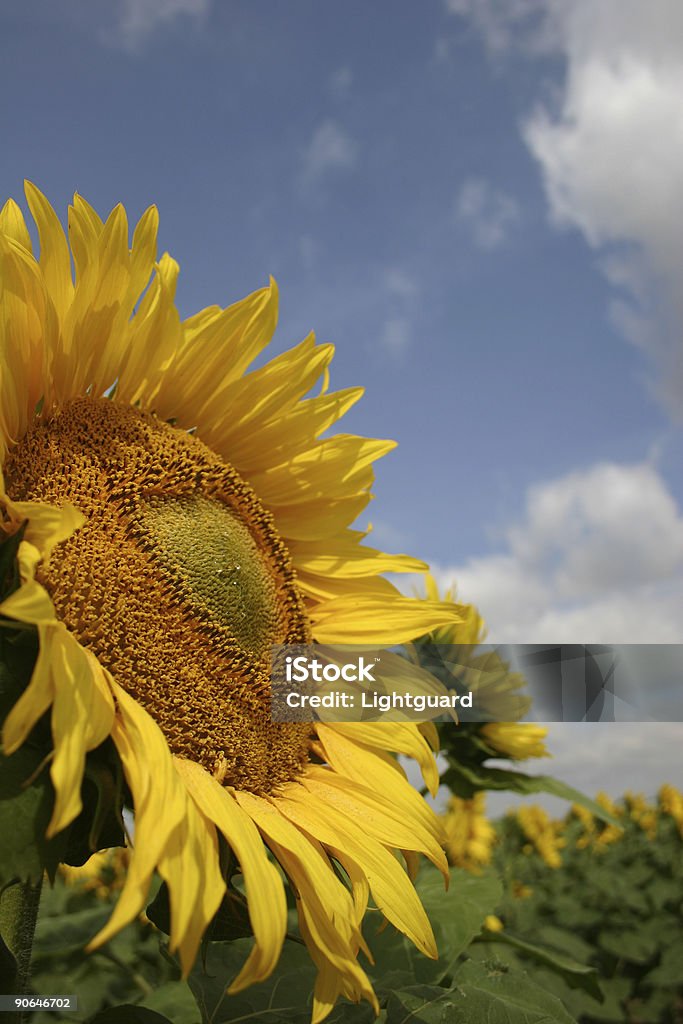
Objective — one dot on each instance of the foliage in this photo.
(134, 970)
(129, 969)
(614, 902)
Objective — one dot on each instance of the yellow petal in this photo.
(82, 718)
(31, 604)
(264, 394)
(12, 223)
(348, 559)
(144, 250)
(36, 698)
(190, 867)
(159, 799)
(85, 227)
(381, 821)
(55, 260)
(325, 904)
(264, 889)
(390, 886)
(217, 349)
(397, 737)
(289, 433)
(155, 336)
(318, 518)
(382, 622)
(335, 467)
(46, 525)
(27, 329)
(361, 764)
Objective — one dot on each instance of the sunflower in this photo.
(544, 833)
(498, 690)
(469, 834)
(671, 803)
(183, 512)
(104, 873)
(516, 740)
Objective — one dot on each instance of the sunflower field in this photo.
(172, 507)
(608, 896)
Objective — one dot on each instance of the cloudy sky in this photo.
(477, 201)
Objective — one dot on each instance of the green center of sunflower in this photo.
(178, 582)
(209, 551)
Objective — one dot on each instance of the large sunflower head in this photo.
(180, 513)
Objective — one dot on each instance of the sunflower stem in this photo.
(19, 903)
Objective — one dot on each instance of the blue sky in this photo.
(476, 200)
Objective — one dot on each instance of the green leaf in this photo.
(479, 776)
(61, 935)
(654, 1009)
(636, 946)
(566, 941)
(9, 571)
(284, 997)
(175, 1001)
(98, 826)
(25, 811)
(128, 1013)
(667, 973)
(159, 910)
(456, 917)
(662, 891)
(95, 990)
(423, 1004)
(503, 997)
(577, 975)
(353, 1013)
(230, 922)
(18, 653)
(127, 969)
(8, 968)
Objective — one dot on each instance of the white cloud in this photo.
(396, 336)
(330, 149)
(340, 82)
(510, 24)
(140, 18)
(610, 148)
(389, 538)
(489, 213)
(401, 284)
(597, 558)
(442, 49)
(611, 155)
(309, 253)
